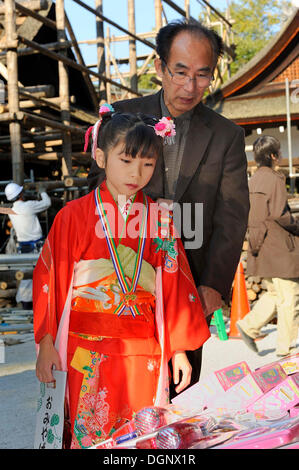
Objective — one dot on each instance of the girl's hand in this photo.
(180, 363)
(47, 358)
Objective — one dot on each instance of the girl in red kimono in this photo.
(114, 299)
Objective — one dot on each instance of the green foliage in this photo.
(145, 83)
(255, 22)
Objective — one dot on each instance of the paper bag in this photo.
(50, 413)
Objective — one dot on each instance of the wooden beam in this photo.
(72, 63)
(112, 23)
(114, 38)
(51, 46)
(32, 4)
(101, 59)
(28, 117)
(28, 12)
(132, 46)
(13, 95)
(64, 93)
(108, 62)
(158, 15)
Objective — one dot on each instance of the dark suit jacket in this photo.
(213, 172)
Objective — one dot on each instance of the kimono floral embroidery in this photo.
(93, 410)
(152, 365)
(45, 288)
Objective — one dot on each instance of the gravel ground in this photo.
(19, 386)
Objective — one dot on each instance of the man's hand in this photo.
(180, 363)
(41, 189)
(210, 299)
(47, 358)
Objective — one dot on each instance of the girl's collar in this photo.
(120, 203)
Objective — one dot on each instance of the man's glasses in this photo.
(202, 79)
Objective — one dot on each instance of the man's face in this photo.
(192, 56)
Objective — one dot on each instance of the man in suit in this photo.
(206, 164)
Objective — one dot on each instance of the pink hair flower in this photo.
(166, 128)
(106, 108)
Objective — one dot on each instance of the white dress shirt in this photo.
(26, 223)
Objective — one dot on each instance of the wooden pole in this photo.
(108, 61)
(13, 96)
(158, 14)
(81, 61)
(132, 47)
(64, 92)
(187, 8)
(100, 50)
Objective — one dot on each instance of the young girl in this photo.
(113, 289)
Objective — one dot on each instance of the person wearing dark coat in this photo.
(205, 170)
(273, 253)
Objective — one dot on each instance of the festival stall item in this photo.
(252, 387)
(290, 364)
(284, 396)
(212, 388)
(232, 408)
(232, 388)
(145, 425)
(271, 436)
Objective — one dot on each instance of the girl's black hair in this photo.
(263, 148)
(135, 130)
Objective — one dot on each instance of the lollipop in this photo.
(178, 436)
(150, 419)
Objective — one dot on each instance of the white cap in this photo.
(12, 190)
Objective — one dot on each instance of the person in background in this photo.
(273, 252)
(205, 164)
(25, 222)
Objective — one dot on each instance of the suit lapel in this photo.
(197, 141)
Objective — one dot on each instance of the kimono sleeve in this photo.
(52, 275)
(185, 324)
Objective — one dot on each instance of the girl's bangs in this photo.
(142, 141)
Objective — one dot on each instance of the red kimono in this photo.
(117, 312)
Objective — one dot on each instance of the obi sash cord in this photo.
(128, 292)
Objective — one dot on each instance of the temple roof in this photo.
(256, 93)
